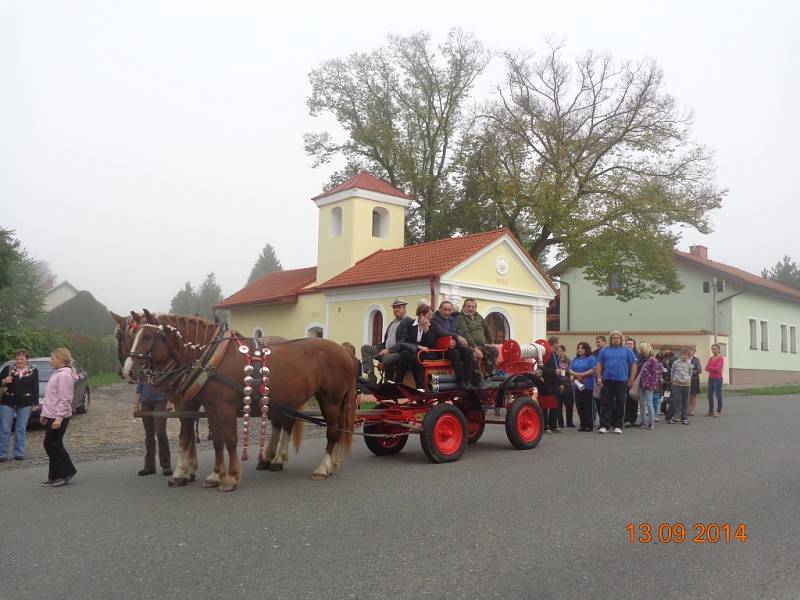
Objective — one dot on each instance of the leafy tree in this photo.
(210, 293)
(185, 301)
(592, 161)
(22, 298)
(47, 279)
(786, 272)
(402, 107)
(267, 263)
(8, 254)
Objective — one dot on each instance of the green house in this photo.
(756, 319)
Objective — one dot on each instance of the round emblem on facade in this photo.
(501, 264)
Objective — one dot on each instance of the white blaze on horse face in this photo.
(126, 370)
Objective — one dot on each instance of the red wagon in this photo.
(448, 418)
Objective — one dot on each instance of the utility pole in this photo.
(714, 296)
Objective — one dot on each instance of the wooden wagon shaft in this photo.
(187, 414)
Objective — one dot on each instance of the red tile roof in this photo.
(278, 287)
(728, 272)
(416, 262)
(365, 181)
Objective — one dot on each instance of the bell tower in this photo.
(357, 218)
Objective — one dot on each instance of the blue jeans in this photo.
(7, 414)
(647, 415)
(714, 387)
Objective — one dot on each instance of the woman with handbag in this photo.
(20, 397)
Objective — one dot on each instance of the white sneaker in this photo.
(617, 430)
(602, 430)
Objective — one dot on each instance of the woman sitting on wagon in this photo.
(458, 353)
(418, 336)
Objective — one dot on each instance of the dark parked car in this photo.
(80, 394)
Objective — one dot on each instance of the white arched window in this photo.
(499, 322)
(380, 222)
(373, 325)
(336, 221)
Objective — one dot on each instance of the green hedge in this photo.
(94, 354)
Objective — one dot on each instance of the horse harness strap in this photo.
(198, 374)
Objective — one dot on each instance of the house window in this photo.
(792, 339)
(784, 338)
(336, 221)
(615, 281)
(380, 222)
(753, 334)
(764, 335)
(498, 327)
(375, 327)
(314, 332)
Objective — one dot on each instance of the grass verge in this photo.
(103, 379)
(772, 390)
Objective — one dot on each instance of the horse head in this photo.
(154, 346)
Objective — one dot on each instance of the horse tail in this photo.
(297, 434)
(347, 414)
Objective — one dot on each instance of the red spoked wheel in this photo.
(476, 423)
(383, 446)
(524, 423)
(444, 433)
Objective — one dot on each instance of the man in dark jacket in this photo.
(459, 353)
(394, 332)
(471, 326)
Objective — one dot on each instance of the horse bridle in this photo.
(160, 336)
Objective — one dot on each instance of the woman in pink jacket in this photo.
(714, 366)
(56, 412)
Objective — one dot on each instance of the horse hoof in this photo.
(177, 482)
(210, 483)
(275, 466)
(227, 487)
(318, 476)
(262, 466)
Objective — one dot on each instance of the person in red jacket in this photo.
(714, 367)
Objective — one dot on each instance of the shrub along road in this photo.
(501, 523)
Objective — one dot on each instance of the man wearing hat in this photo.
(394, 332)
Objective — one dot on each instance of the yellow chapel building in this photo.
(363, 265)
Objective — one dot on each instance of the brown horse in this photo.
(199, 329)
(299, 370)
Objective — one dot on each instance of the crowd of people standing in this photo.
(624, 384)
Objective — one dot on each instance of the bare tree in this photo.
(595, 161)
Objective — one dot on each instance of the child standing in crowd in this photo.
(567, 391)
(649, 381)
(681, 382)
(714, 366)
(694, 388)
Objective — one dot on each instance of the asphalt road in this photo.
(547, 523)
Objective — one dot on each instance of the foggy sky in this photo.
(144, 144)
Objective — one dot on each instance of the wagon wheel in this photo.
(476, 423)
(444, 433)
(524, 423)
(383, 446)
